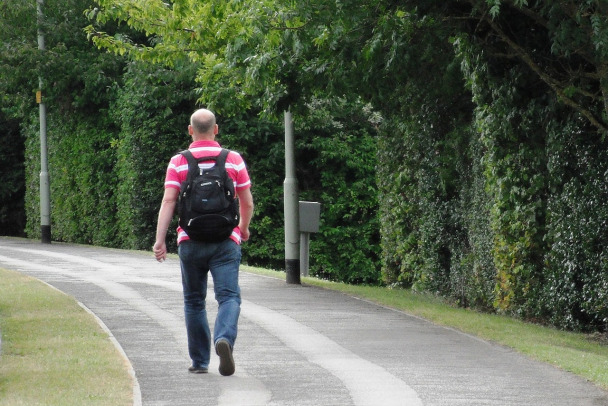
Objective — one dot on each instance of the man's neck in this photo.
(203, 138)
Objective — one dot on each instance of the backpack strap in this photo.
(228, 182)
(192, 164)
(221, 158)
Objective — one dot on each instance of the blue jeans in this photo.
(223, 260)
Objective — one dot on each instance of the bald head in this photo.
(202, 125)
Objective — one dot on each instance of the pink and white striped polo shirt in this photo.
(177, 172)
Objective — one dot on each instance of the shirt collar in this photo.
(204, 143)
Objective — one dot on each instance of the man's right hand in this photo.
(160, 251)
(244, 234)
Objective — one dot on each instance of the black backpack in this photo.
(208, 209)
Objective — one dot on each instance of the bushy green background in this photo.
(456, 147)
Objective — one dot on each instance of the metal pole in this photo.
(45, 192)
(291, 207)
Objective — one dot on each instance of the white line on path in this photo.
(368, 383)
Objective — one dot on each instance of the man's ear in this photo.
(190, 130)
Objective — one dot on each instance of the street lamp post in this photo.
(45, 192)
(291, 207)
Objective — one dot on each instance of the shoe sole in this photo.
(222, 348)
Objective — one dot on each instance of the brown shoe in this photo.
(223, 349)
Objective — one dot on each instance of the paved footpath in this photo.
(297, 345)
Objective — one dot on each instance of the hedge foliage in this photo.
(510, 216)
(12, 190)
(457, 147)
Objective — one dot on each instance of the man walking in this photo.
(198, 258)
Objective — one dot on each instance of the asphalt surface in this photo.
(297, 345)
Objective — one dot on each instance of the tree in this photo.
(568, 48)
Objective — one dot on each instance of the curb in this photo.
(136, 388)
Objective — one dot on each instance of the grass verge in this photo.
(53, 351)
(579, 354)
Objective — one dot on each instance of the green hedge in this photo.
(12, 189)
(503, 209)
(335, 152)
(445, 158)
(107, 172)
(81, 164)
(575, 292)
(152, 113)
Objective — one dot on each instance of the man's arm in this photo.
(246, 211)
(165, 215)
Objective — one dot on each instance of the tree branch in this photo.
(537, 18)
(553, 84)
